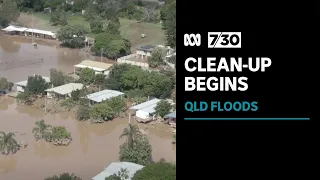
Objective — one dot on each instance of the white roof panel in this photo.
(93, 68)
(145, 104)
(24, 83)
(149, 109)
(14, 28)
(103, 95)
(66, 89)
(115, 167)
(49, 33)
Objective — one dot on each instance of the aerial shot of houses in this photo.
(87, 90)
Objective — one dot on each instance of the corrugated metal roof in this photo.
(95, 65)
(14, 28)
(145, 104)
(66, 89)
(49, 33)
(103, 95)
(115, 167)
(24, 83)
(171, 115)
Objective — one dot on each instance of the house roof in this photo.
(95, 65)
(148, 48)
(115, 167)
(145, 105)
(66, 89)
(171, 115)
(103, 95)
(24, 83)
(49, 33)
(14, 28)
(150, 109)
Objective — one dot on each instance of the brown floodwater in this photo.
(94, 145)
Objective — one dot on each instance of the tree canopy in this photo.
(168, 17)
(64, 176)
(157, 171)
(138, 150)
(36, 85)
(5, 84)
(8, 12)
(72, 36)
(129, 78)
(163, 108)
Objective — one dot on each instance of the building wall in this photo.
(143, 53)
(20, 88)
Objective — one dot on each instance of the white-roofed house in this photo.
(63, 91)
(98, 67)
(115, 167)
(22, 84)
(14, 30)
(145, 112)
(103, 95)
(40, 33)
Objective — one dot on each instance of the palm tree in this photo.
(8, 143)
(131, 132)
(41, 130)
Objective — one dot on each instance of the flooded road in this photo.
(94, 145)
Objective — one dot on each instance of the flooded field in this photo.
(94, 145)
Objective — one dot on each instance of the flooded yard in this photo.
(94, 146)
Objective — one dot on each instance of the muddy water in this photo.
(94, 145)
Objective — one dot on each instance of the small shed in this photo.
(98, 67)
(115, 167)
(145, 111)
(100, 96)
(23, 84)
(63, 91)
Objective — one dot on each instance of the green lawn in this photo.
(129, 29)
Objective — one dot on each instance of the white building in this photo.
(98, 67)
(63, 91)
(145, 111)
(15, 30)
(100, 96)
(115, 167)
(22, 84)
(144, 52)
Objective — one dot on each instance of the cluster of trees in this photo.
(50, 133)
(36, 86)
(58, 78)
(135, 149)
(5, 85)
(168, 17)
(8, 144)
(137, 82)
(157, 57)
(9, 11)
(104, 111)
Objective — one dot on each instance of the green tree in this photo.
(58, 78)
(118, 105)
(8, 143)
(96, 25)
(168, 17)
(163, 108)
(87, 76)
(83, 113)
(139, 153)
(36, 85)
(25, 98)
(113, 27)
(99, 79)
(64, 176)
(59, 133)
(59, 17)
(42, 130)
(114, 45)
(157, 57)
(121, 175)
(5, 84)
(72, 36)
(8, 12)
(157, 171)
(132, 133)
(173, 94)
(102, 111)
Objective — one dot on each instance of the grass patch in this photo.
(129, 29)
